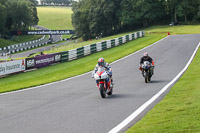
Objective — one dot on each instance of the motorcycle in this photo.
(146, 71)
(101, 76)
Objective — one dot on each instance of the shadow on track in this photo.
(114, 96)
(158, 81)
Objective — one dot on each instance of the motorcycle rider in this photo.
(102, 63)
(146, 57)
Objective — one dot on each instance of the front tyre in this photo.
(149, 76)
(102, 90)
(146, 77)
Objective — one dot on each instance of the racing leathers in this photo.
(147, 58)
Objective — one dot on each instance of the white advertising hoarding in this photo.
(12, 67)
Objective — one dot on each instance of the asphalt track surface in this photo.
(75, 105)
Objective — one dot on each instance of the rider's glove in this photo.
(92, 76)
(110, 73)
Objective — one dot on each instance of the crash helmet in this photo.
(101, 61)
(145, 54)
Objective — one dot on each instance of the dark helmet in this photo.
(101, 61)
(145, 54)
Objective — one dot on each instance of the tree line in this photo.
(92, 18)
(17, 15)
(56, 2)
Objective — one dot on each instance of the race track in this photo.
(75, 105)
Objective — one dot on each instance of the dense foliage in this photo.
(17, 15)
(56, 2)
(93, 18)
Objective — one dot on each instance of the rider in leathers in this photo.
(146, 57)
(102, 63)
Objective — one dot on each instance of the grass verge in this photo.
(55, 17)
(73, 68)
(178, 112)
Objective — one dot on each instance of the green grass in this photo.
(76, 67)
(55, 18)
(173, 30)
(179, 111)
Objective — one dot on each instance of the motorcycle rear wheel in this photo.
(102, 90)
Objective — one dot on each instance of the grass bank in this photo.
(174, 30)
(55, 17)
(178, 112)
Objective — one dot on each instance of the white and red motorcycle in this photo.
(101, 76)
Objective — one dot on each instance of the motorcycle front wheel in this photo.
(102, 90)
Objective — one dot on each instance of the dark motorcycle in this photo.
(147, 71)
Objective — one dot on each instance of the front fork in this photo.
(106, 84)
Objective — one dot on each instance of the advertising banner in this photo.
(43, 32)
(12, 67)
(30, 63)
(45, 60)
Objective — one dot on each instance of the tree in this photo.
(34, 11)
(186, 8)
(93, 18)
(3, 16)
(17, 15)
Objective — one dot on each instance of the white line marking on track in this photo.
(150, 101)
(77, 75)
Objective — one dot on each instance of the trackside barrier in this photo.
(104, 45)
(22, 46)
(87, 50)
(113, 43)
(46, 60)
(93, 48)
(64, 56)
(100, 46)
(72, 54)
(80, 52)
(108, 43)
(120, 40)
